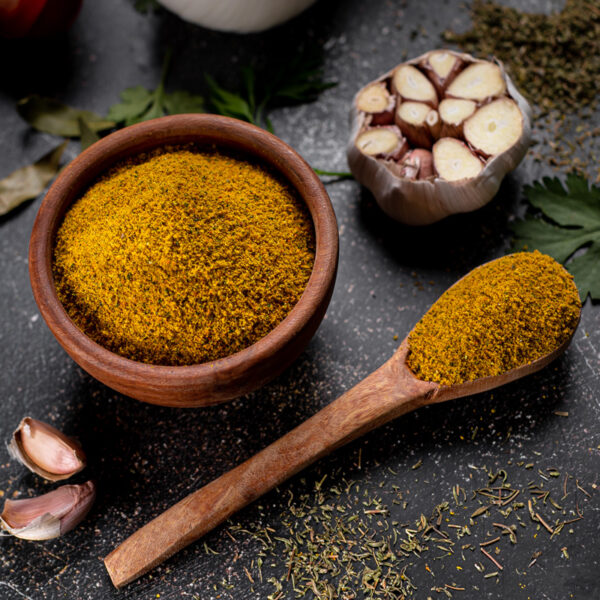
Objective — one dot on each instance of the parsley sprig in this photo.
(567, 228)
(139, 104)
(298, 82)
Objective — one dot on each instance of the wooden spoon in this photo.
(390, 391)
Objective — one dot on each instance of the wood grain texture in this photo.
(222, 379)
(385, 394)
(389, 392)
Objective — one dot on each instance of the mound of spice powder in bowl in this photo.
(500, 316)
(181, 256)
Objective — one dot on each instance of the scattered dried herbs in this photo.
(554, 59)
(29, 182)
(51, 116)
(344, 542)
(139, 104)
(566, 227)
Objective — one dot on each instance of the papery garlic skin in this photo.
(242, 16)
(45, 450)
(421, 202)
(50, 515)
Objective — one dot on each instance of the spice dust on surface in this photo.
(181, 256)
(502, 315)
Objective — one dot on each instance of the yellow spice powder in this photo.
(502, 315)
(181, 256)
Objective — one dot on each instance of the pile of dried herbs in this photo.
(361, 539)
(554, 59)
(555, 62)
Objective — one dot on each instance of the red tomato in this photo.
(36, 18)
(56, 17)
(18, 16)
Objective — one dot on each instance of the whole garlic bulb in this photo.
(459, 126)
(241, 16)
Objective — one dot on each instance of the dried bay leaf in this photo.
(87, 136)
(29, 182)
(51, 116)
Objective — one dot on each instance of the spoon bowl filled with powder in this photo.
(186, 260)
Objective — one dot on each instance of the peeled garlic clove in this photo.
(463, 90)
(50, 515)
(45, 450)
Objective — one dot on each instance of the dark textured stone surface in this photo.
(144, 457)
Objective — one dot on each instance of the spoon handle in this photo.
(385, 394)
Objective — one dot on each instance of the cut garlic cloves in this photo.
(453, 113)
(441, 67)
(382, 142)
(50, 515)
(479, 81)
(378, 103)
(495, 127)
(410, 84)
(411, 117)
(467, 109)
(45, 450)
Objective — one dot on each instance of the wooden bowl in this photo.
(225, 378)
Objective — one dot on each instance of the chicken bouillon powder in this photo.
(182, 256)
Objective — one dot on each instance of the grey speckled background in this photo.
(144, 457)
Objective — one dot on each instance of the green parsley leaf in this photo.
(569, 221)
(146, 6)
(299, 81)
(139, 104)
(134, 103)
(229, 104)
(182, 102)
(337, 174)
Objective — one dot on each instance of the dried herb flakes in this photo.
(554, 59)
(351, 540)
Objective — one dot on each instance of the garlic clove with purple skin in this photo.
(45, 450)
(50, 515)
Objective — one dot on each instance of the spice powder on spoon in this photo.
(502, 315)
(181, 256)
